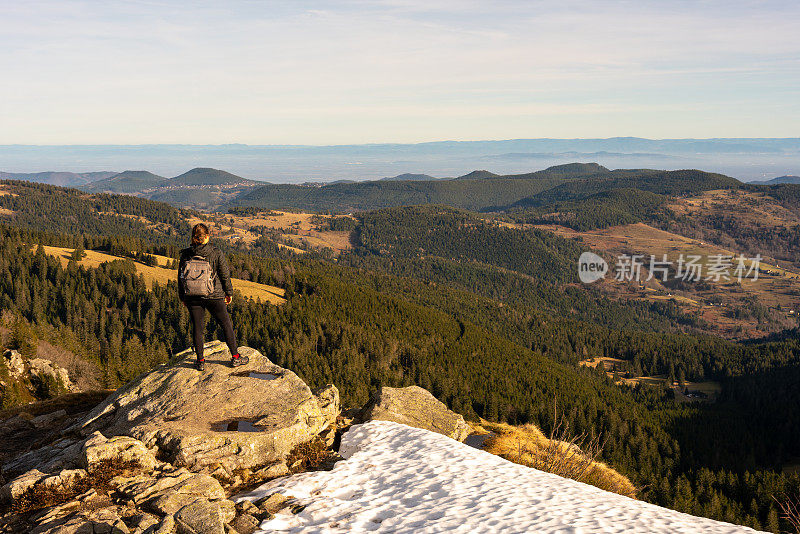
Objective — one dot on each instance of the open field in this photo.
(709, 388)
(750, 207)
(608, 363)
(719, 303)
(162, 275)
(293, 229)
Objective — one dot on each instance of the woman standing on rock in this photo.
(204, 283)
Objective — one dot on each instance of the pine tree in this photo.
(24, 339)
(773, 522)
(79, 253)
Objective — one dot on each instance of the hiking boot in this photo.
(200, 365)
(241, 360)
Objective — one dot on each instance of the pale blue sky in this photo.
(300, 72)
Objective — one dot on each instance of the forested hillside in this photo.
(69, 211)
(64, 179)
(486, 315)
(474, 191)
(125, 182)
(479, 191)
(207, 176)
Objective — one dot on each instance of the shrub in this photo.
(312, 455)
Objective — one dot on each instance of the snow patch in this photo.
(407, 480)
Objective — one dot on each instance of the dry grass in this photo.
(568, 456)
(99, 479)
(238, 227)
(162, 275)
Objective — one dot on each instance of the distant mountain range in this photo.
(745, 159)
(143, 181)
(406, 177)
(481, 190)
(779, 180)
(567, 185)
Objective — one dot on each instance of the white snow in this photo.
(401, 479)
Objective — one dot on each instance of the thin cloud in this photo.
(71, 66)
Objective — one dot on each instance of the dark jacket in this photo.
(222, 282)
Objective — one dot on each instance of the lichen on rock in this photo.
(417, 407)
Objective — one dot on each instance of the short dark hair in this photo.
(199, 233)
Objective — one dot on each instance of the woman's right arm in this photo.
(181, 262)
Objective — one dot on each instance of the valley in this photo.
(467, 288)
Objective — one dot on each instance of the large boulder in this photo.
(415, 406)
(220, 419)
(120, 450)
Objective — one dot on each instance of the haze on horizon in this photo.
(320, 73)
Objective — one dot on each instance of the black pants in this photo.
(219, 311)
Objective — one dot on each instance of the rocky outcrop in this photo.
(160, 454)
(36, 370)
(222, 418)
(45, 371)
(414, 406)
(14, 362)
(22, 381)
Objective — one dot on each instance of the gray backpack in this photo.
(198, 277)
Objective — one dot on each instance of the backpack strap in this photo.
(210, 263)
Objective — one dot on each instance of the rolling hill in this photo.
(789, 179)
(567, 170)
(343, 198)
(200, 188)
(477, 175)
(408, 177)
(207, 176)
(482, 190)
(125, 182)
(62, 179)
(659, 182)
